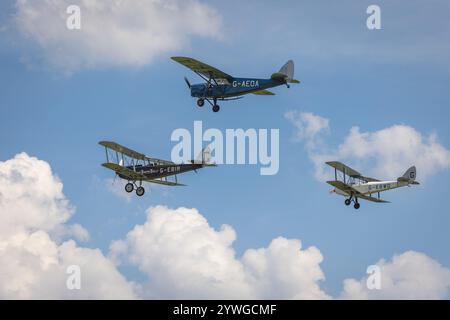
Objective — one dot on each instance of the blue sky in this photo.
(352, 76)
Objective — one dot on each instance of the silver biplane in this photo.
(136, 167)
(355, 186)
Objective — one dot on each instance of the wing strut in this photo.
(107, 157)
(344, 175)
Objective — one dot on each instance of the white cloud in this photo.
(31, 196)
(33, 216)
(113, 33)
(184, 257)
(386, 153)
(308, 125)
(285, 271)
(411, 275)
(177, 249)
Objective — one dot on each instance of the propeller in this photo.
(187, 82)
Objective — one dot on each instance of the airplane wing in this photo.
(342, 186)
(202, 68)
(349, 189)
(368, 179)
(264, 93)
(166, 183)
(373, 199)
(131, 153)
(343, 168)
(124, 171)
(132, 175)
(349, 171)
(121, 149)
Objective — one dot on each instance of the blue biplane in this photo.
(222, 86)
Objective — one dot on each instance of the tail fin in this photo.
(286, 73)
(204, 157)
(409, 176)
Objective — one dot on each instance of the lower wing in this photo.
(372, 199)
(132, 175)
(166, 183)
(350, 190)
(264, 93)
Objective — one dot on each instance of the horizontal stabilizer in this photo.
(283, 77)
(264, 93)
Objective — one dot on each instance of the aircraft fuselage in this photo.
(161, 171)
(370, 188)
(236, 87)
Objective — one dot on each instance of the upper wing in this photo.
(202, 68)
(343, 168)
(121, 149)
(349, 189)
(349, 171)
(368, 179)
(264, 93)
(131, 153)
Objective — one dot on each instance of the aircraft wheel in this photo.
(348, 202)
(216, 108)
(201, 102)
(356, 206)
(140, 191)
(129, 187)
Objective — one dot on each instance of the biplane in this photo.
(136, 167)
(354, 186)
(221, 86)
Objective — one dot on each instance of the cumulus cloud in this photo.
(308, 125)
(34, 215)
(387, 152)
(181, 254)
(411, 275)
(184, 257)
(113, 33)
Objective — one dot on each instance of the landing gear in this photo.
(129, 187)
(354, 200)
(216, 107)
(200, 102)
(140, 191)
(356, 206)
(349, 200)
